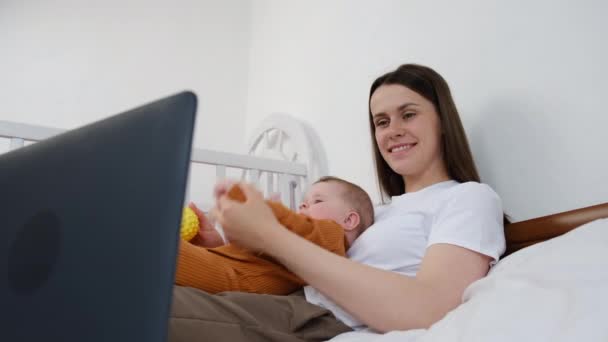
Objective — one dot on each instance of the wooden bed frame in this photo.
(525, 233)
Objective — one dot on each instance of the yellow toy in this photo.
(190, 224)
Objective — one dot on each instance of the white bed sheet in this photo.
(553, 291)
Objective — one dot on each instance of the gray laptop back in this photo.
(89, 226)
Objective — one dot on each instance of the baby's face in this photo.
(323, 201)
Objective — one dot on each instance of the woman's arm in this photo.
(383, 300)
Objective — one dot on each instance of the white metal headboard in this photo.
(282, 149)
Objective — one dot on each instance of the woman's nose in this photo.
(396, 130)
(303, 206)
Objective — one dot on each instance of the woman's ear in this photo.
(351, 220)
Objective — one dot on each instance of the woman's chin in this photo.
(403, 169)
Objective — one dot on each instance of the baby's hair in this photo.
(357, 198)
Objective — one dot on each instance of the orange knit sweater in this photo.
(233, 268)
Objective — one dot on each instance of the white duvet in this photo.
(553, 291)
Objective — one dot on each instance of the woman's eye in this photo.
(409, 115)
(317, 201)
(381, 123)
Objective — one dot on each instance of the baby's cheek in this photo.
(327, 213)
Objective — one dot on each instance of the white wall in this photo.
(65, 63)
(528, 77)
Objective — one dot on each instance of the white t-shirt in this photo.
(468, 215)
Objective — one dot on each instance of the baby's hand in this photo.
(207, 236)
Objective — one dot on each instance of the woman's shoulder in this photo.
(469, 196)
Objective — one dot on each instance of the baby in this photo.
(333, 214)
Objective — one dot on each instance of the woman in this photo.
(441, 231)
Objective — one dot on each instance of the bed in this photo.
(550, 284)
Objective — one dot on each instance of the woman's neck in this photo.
(436, 175)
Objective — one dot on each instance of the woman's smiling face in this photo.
(407, 131)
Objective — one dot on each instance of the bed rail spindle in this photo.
(283, 188)
(220, 172)
(254, 177)
(269, 183)
(293, 185)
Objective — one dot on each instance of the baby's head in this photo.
(332, 198)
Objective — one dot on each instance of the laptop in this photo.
(89, 226)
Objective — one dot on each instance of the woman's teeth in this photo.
(402, 148)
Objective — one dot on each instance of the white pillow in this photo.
(553, 291)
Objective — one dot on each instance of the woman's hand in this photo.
(250, 223)
(222, 187)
